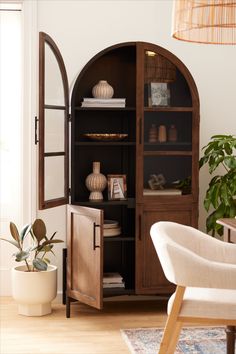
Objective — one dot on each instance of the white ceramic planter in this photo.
(34, 291)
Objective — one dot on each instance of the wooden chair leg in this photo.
(171, 323)
(174, 338)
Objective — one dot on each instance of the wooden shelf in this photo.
(117, 291)
(167, 153)
(104, 143)
(118, 238)
(77, 108)
(130, 202)
(168, 109)
(170, 144)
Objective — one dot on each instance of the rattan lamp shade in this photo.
(205, 21)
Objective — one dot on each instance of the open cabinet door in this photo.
(85, 255)
(53, 125)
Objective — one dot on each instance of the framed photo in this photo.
(117, 189)
(159, 94)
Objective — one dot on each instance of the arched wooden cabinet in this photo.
(161, 120)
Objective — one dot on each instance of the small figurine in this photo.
(156, 181)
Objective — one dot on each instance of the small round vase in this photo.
(96, 182)
(102, 90)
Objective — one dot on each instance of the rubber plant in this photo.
(34, 255)
(219, 154)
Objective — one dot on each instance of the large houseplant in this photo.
(219, 154)
(34, 284)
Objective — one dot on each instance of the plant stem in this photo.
(28, 267)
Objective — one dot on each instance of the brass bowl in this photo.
(106, 137)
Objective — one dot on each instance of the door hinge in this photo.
(36, 140)
(69, 117)
(69, 192)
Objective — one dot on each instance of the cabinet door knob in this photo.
(94, 236)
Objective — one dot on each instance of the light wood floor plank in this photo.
(88, 331)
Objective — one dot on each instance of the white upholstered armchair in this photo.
(204, 270)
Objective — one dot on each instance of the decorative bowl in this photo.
(106, 137)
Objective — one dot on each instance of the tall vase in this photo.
(96, 182)
(102, 90)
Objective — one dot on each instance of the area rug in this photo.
(197, 340)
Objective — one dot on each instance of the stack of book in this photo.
(113, 280)
(103, 102)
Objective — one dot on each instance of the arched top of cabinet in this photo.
(120, 65)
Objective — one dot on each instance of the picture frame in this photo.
(117, 188)
(159, 94)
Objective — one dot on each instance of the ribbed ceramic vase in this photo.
(96, 182)
(102, 90)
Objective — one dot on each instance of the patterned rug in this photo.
(197, 340)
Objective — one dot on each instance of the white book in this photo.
(167, 191)
(104, 100)
(112, 278)
(103, 105)
(114, 285)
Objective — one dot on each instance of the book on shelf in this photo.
(165, 191)
(110, 278)
(113, 285)
(103, 102)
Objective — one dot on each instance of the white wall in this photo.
(83, 28)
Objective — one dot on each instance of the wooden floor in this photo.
(88, 331)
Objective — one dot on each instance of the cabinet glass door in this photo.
(53, 125)
(167, 128)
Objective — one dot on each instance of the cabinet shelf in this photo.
(107, 292)
(103, 143)
(118, 238)
(77, 108)
(130, 202)
(168, 109)
(167, 153)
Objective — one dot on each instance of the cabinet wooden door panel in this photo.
(85, 255)
(150, 278)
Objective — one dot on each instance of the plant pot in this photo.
(34, 291)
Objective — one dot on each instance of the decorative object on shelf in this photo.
(160, 94)
(111, 228)
(102, 90)
(157, 181)
(34, 285)
(158, 69)
(210, 22)
(172, 133)
(104, 102)
(96, 182)
(153, 134)
(106, 137)
(184, 185)
(221, 193)
(117, 189)
(162, 134)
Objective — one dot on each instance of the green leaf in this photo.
(26, 229)
(39, 229)
(39, 264)
(46, 260)
(230, 162)
(14, 232)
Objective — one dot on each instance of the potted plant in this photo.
(34, 284)
(219, 154)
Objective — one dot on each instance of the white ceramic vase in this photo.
(102, 90)
(34, 291)
(96, 182)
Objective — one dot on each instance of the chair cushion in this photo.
(207, 303)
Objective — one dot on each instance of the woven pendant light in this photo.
(205, 21)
